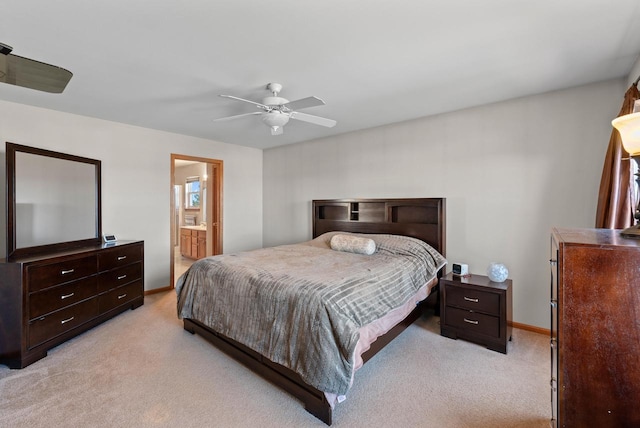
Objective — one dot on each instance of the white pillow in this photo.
(353, 244)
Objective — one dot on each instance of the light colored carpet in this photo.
(141, 369)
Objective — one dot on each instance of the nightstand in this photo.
(477, 309)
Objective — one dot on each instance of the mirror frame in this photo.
(15, 253)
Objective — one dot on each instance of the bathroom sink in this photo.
(194, 227)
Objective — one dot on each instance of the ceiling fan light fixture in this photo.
(275, 118)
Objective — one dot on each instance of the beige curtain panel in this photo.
(616, 197)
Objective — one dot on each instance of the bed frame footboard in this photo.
(314, 400)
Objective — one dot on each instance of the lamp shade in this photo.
(628, 126)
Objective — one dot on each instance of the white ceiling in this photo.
(161, 64)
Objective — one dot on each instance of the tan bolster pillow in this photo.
(353, 244)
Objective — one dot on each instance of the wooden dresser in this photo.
(595, 329)
(48, 299)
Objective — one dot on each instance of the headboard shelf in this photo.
(421, 218)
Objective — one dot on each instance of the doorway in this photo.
(196, 211)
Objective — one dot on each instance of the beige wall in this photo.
(635, 73)
(510, 171)
(136, 178)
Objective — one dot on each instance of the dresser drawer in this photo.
(118, 277)
(473, 299)
(473, 321)
(119, 256)
(120, 296)
(40, 277)
(52, 325)
(58, 297)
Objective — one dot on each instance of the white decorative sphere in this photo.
(497, 272)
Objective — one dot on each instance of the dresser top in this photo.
(71, 251)
(594, 237)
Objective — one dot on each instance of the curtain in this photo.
(616, 196)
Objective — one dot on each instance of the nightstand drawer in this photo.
(473, 321)
(473, 299)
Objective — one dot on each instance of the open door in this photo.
(196, 210)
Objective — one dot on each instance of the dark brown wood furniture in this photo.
(422, 218)
(595, 328)
(52, 297)
(477, 309)
(59, 279)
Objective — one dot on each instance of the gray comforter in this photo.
(301, 305)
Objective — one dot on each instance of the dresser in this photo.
(474, 308)
(50, 298)
(595, 329)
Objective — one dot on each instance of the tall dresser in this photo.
(595, 329)
(50, 298)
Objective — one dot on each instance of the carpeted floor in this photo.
(141, 369)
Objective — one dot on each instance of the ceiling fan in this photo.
(29, 73)
(276, 111)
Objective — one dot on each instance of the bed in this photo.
(306, 316)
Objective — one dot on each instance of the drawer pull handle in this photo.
(475, 322)
(121, 257)
(554, 303)
(122, 296)
(66, 296)
(67, 320)
(122, 277)
(66, 272)
(469, 299)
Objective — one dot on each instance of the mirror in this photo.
(53, 201)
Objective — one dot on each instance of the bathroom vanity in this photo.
(193, 241)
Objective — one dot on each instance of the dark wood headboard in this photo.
(421, 218)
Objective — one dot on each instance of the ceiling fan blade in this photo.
(28, 73)
(316, 120)
(259, 105)
(222, 119)
(304, 103)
